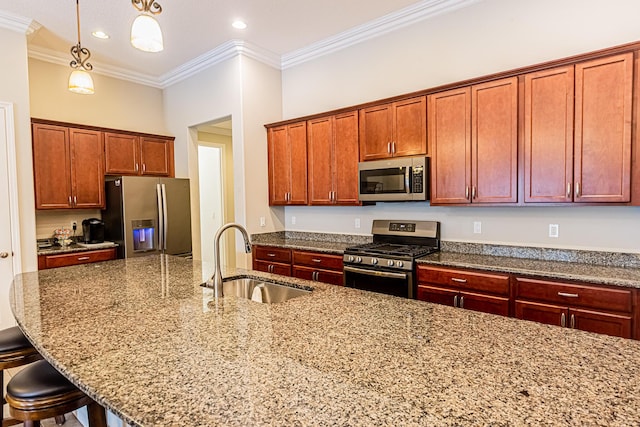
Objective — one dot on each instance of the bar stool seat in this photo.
(15, 350)
(39, 391)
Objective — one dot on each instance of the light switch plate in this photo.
(553, 230)
(477, 227)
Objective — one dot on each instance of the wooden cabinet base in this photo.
(75, 258)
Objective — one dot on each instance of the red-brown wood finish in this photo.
(345, 161)
(449, 126)
(51, 167)
(318, 260)
(320, 145)
(548, 137)
(484, 303)
(550, 314)
(603, 323)
(272, 259)
(288, 164)
(121, 154)
(318, 275)
(497, 284)
(272, 267)
(87, 173)
(394, 129)
(604, 94)
(494, 141)
(437, 294)
(75, 258)
(155, 156)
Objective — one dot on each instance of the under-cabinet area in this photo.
(554, 133)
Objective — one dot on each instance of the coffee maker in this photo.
(92, 230)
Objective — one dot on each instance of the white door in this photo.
(9, 246)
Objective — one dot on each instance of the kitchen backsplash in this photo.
(47, 221)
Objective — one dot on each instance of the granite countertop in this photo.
(597, 274)
(75, 247)
(318, 242)
(147, 342)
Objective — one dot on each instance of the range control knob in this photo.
(400, 264)
(358, 259)
(374, 261)
(350, 258)
(390, 263)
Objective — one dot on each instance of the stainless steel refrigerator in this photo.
(147, 215)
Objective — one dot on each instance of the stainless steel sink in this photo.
(261, 291)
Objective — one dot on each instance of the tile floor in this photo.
(71, 420)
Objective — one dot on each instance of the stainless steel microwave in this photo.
(394, 180)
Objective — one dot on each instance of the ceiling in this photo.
(280, 32)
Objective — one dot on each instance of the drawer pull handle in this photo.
(83, 258)
(573, 321)
(563, 320)
(316, 260)
(461, 301)
(455, 279)
(568, 295)
(455, 300)
(271, 254)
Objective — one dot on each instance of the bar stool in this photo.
(15, 350)
(39, 391)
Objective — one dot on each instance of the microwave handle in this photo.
(407, 180)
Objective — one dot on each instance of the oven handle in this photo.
(375, 272)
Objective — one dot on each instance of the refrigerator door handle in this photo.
(160, 217)
(165, 226)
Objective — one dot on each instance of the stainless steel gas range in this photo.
(388, 264)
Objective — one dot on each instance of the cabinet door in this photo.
(602, 168)
(376, 132)
(484, 303)
(494, 137)
(279, 170)
(298, 158)
(410, 127)
(599, 322)
(320, 134)
(272, 267)
(449, 126)
(121, 154)
(155, 156)
(548, 136)
(324, 276)
(87, 176)
(51, 167)
(542, 313)
(437, 295)
(345, 177)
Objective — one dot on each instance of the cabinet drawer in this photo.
(461, 279)
(273, 254)
(324, 276)
(318, 260)
(272, 267)
(574, 294)
(63, 260)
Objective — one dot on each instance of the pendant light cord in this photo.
(78, 18)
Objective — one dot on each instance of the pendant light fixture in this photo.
(80, 80)
(145, 30)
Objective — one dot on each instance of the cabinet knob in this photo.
(4, 254)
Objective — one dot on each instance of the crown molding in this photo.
(221, 53)
(18, 23)
(56, 57)
(391, 22)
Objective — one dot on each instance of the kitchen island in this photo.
(144, 339)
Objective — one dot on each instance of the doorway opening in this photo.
(215, 187)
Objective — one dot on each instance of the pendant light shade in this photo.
(146, 34)
(81, 82)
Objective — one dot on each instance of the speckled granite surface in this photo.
(55, 250)
(145, 340)
(318, 242)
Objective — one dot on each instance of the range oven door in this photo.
(376, 280)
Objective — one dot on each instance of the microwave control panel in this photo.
(418, 179)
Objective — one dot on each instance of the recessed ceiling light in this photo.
(100, 35)
(240, 25)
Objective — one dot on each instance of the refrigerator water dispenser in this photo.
(143, 235)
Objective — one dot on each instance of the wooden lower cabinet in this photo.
(75, 258)
(590, 308)
(319, 267)
(271, 259)
(472, 290)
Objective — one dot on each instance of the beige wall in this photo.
(14, 88)
(116, 103)
(487, 37)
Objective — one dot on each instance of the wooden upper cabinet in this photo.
(473, 133)
(67, 167)
(287, 151)
(155, 156)
(604, 94)
(548, 135)
(333, 159)
(394, 129)
(121, 154)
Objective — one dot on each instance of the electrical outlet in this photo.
(74, 225)
(263, 221)
(357, 223)
(293, 220)
(554, 230)
(477, 227)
